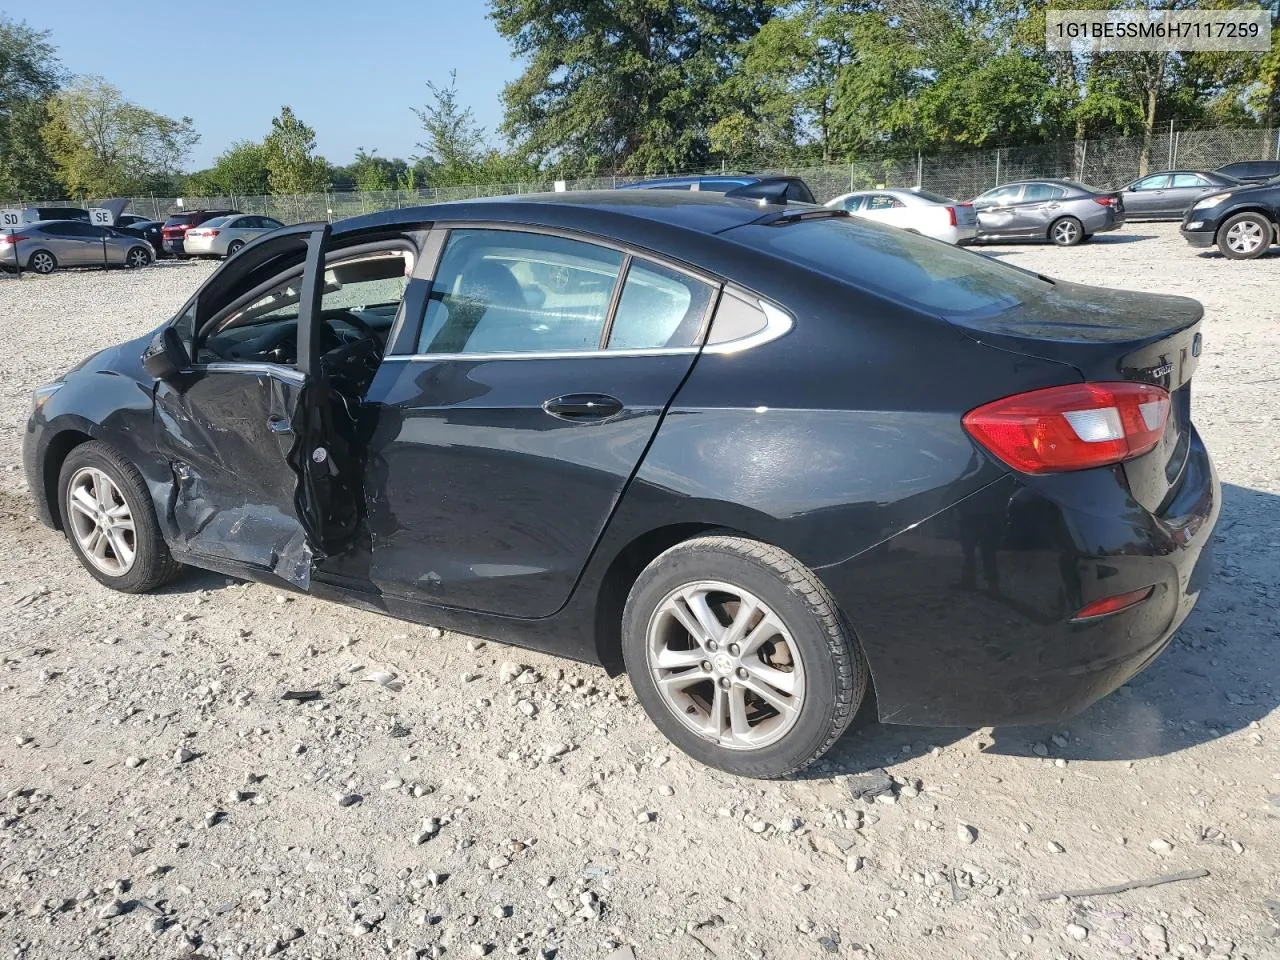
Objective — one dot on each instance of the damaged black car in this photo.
(764, 458)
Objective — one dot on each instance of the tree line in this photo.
(658, 85)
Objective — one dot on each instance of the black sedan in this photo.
(1243, 222)
(143, 229)
(760, 457)
(1169, 194)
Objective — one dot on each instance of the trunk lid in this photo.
(1114, 335)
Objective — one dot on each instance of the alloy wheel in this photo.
(42, 262)
(101, 521)
(1065, 232)
(1244, 237)
(725, 665)
(138, 258)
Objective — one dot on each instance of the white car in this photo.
(916, 210)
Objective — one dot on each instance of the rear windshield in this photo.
(215, 222)
(181, 219)
(925, 274)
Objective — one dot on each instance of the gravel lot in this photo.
(159, 799)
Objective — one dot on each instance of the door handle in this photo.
(279, 425)
(579, 407)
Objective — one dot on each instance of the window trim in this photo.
(444, 229)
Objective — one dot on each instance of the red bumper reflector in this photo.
(1110, 605)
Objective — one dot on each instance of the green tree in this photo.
(104, 145)
(29, 74)
(372, 172)
(240, 170)
(453, 140)
(621, 85)
(292, 164)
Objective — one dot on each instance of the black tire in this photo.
(1245, 236)
(1066, 231)
(152, 564)
(137, 257)
(234, 247)
(42, 262)
(835, 672)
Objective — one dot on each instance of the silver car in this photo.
(1061, 211)
(223, 236)
(916, 210)
(46, 245)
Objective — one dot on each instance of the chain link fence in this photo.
(959, 174)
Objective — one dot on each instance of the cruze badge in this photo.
(1161, 371)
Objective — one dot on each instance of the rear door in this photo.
(1147, 197)
(1183, 190)
(241, 429)
(511, 421)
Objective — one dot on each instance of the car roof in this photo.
(631, 213)
(741, 178)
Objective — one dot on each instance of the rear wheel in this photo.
(1066, 232)
(740, 657)
(1245, 236)
(137, 257)
(42, 262)
(234, 247)
(110, 522)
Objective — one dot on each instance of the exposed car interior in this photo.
(359, 303)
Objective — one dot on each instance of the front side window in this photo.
(1157, 182)
(360, 294)
(853, 203)
(506, 291)
(999, 196)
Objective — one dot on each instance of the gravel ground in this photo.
(159, 799)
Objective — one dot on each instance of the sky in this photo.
(351, 69)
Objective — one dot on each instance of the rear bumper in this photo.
(175, 245)
(966, 619)
(957, 235)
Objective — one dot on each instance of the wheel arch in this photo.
(55, 455)
(1250, 208)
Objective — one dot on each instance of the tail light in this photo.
(1073, 427)
(1109, 605)
(8, 239)
(1107, 201)
(951, 215)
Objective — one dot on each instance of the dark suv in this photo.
(176, 227)
(1241, 220)
(777, 189)
(1252, 171)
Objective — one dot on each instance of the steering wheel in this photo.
(352, 320)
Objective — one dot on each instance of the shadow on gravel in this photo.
(1214, 678)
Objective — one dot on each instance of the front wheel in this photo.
(1066, 232)
(109, 520)
(739, 656)
(137, 257)
(1245, 236)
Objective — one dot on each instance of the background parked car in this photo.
(1062, 211)
(37, 214)
(916, 210)
(223, 236)
(1168, 195)
(1252, 171)
(44, 246)
(176, 227)
(151, 231)
(788, 189)
(1242, 222)
(132, 220)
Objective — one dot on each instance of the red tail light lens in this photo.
(1105, 201)
(1110, 605)
(8, 239)
(1074, 427)
(951, 214)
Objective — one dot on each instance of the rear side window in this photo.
(659, 307)
(900, 266)
(1189, 180)
(504, 291)
(797, 192)
(1039, 192)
